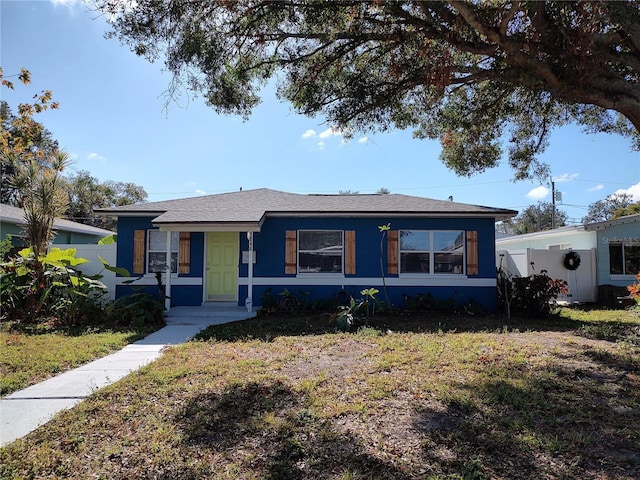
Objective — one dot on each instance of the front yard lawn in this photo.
(30, 356)
(405, 398)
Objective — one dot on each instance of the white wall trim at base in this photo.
(150, 280)
(448, 281)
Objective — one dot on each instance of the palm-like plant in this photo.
(43, 198)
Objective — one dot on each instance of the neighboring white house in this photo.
(609, 255)
(575, 237)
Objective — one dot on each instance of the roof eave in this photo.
(208, 226)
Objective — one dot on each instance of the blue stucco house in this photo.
(236, 246)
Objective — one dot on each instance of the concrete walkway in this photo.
(25, 410)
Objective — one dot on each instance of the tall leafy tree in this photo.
(22, 138)
(468, 73)
(606, 209)
(535, 218)
(87, 193)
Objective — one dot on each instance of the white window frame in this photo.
(175, 247)
(432, 252)
(302, 251)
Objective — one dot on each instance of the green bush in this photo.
(51, 289)
(532, 296)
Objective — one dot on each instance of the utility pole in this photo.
(553, 204)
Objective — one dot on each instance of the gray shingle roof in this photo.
(251, 206)
(15, 215)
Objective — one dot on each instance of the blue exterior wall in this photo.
(181, 294)
(627, 232)
(269, 245)
(269, 269)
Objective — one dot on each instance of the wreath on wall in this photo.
(572, 260)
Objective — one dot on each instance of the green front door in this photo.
(222, 266)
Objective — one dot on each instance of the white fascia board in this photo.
(203, 227)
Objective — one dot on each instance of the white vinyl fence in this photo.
(582, 282)
(94, 267)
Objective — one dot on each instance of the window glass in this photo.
(616, 265)
(447, 241)
(448, 252)
(433, 252)
(320, 251)
(415, 240)
(632, 259)
(157, 251)
(414, 262)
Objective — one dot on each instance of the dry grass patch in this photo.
(411, 402)
(30, 356)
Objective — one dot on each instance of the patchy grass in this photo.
(30, 356)
(405, 398)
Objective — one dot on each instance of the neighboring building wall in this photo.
(566, 237)
(61, 237)
(629, 234)
(12, 229)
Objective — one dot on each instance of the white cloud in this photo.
(200, 192)
(633, 190)
(566, 177)
(321, 145)
(538, 193)
(596, 188)
(363, 140)
(68, 3)
(96, 157)
(331, 132)
(309, 134)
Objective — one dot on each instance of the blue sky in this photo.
(115, 122)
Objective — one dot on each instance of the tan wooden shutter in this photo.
(184, 253)
(392, 252)
(472, 253)
(350, 252)
(138, 251)
(291, 252)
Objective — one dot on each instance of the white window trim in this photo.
(432, 253)
(319, 274)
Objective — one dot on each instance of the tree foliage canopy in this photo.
(535, 218)
(471, 74)
(87, 192)
(611, 207)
